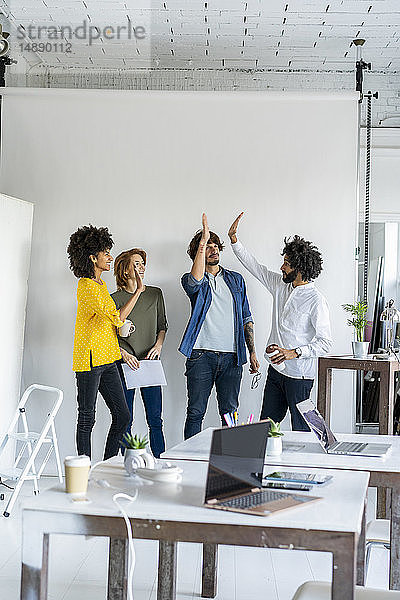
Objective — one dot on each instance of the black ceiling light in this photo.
(4, 45)
(5, 60)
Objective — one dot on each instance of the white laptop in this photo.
(329, 442)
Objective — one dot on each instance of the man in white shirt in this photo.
(300, 330)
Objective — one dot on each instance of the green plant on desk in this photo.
(274, 429)
(134, 442)
(359, 321)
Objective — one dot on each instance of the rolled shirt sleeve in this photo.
(162, 323)
(246, 314)
(190, 284)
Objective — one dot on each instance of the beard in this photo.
(289, 277)
(213, 261)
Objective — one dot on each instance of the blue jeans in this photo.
(282, 393)
(103, 379)
(205, 368)
(152, 400)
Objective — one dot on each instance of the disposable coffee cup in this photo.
(126, 329)
(76, 475)
(269, 355)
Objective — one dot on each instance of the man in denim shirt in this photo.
(218, 328)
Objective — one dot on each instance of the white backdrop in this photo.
(147, 164)
(16, 224)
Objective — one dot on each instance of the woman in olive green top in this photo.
(145, 343)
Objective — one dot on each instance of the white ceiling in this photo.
(308, 36)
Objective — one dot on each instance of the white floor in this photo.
(78, 566)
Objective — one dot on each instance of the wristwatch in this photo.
(298, 352)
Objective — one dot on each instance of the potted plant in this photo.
(359, 322)
(135, 453)
(274, 441)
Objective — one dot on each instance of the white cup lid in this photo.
(77, 461)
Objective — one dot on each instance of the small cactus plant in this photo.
(134, 442)
(275, 429)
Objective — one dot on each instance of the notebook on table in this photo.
(328, 440)
(235, 471)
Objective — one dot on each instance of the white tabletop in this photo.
(340, 509)
(312, 454)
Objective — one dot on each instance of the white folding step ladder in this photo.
(30, 443)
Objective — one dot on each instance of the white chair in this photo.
(321, 590)
(30, 443)
(377, 534)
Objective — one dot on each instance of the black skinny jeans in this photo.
(106, 380)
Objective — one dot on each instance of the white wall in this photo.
(16, 225)
(385, 195)
(147, 164)
(385, 174)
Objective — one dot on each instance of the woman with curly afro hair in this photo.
(96, 348)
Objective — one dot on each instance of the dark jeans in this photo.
(205, 368)
(106, 380)
(152, 400)
(282, 392)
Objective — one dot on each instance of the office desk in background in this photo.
(386, 368)
(384, 472)
(171, 513)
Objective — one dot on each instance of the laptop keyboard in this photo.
(254, 499)
(350, 447)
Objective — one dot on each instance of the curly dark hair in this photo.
(194, 243)
(86, 241)
(303, 257)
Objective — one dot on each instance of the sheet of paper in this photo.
(149, 373)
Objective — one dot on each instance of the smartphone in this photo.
(287, 485)
(294, 477)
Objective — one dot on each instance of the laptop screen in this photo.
(317, 423)
(236, 459)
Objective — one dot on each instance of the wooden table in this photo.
(172, 513)
(384, 472)
(386, 368)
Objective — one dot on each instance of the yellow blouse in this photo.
(95, 328)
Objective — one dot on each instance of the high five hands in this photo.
(233, 228)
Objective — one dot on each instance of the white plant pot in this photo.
(133, 460)
(360, 349)
(274, 446)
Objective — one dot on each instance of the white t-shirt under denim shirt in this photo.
(300, 317)
(218, 330)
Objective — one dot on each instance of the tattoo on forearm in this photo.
(249, 337)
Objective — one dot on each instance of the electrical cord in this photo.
(116, 497)
(131, 555)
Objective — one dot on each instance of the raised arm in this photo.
(199, 263)
(268, 278)
(125, 310)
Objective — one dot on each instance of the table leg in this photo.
(166, 571)
(35, 562)
(209, 577)
(394, 574)
(344, 569)
(117, 569)
(386, 401)
(361, 551)
(324, 391)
